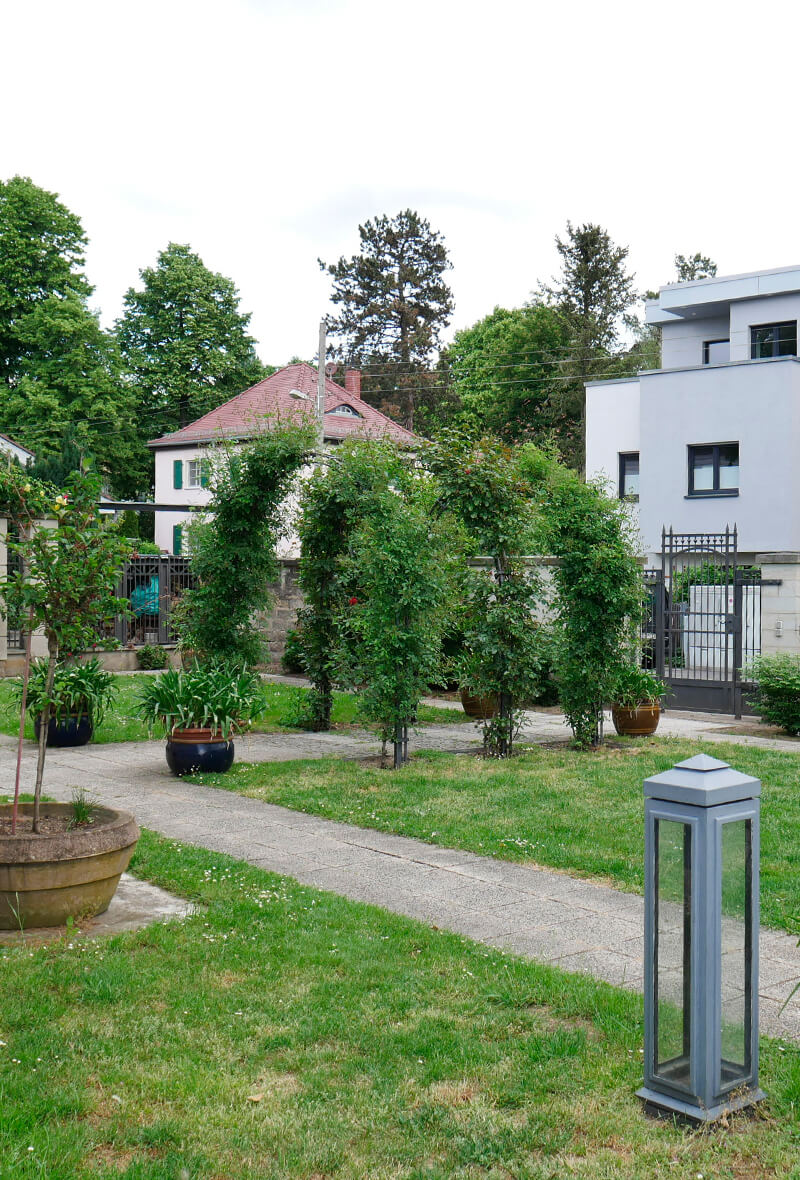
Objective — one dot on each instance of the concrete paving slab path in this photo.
(576, 924)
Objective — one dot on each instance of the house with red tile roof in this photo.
(288, 395)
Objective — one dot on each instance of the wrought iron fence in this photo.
(15, 634)
(701, 624)
(152, 586)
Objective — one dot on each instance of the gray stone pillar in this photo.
(780, 604)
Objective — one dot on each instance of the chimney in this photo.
(352, 382)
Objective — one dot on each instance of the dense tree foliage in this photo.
(394, 303)
(505, 372)
(694, 266)
(184, 342)
(61, 371)
(42, 247)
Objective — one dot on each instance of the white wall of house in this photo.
(8, 447)
(755, 404)
(167, 493)
(748, 313)
(682, 340)
(612, 427)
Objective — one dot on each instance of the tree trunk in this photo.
(44, 721)
(23, 706)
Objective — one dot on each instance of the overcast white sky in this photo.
(263, 131)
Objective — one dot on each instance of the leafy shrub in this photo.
(150, 656)
(208, 696)
(292, 661)
(777, 695)
(635, 686)
(299, 712)
(79, 690)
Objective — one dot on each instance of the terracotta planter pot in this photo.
(198, 751)
(481, 708)
(638, 722)
(47, 878)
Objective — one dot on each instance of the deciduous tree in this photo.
(184, 342)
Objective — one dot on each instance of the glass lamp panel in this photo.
(703, 469)
(736, 951)
(673, 952)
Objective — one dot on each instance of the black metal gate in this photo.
(702, 624)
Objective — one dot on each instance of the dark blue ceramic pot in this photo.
(68, 731)
(196, 752)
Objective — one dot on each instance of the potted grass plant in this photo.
(78, 700)
(636, 707)
(199, 709)
(63, 587)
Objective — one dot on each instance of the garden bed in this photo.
(285, 1033)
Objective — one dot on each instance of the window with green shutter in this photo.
(177, 473)
(177, 539)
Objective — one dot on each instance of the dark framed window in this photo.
(714, 469)
(629, 475)
(773, 340)
(716, 352)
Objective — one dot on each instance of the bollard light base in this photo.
(665, 1106)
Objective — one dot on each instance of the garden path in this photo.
(575, 924)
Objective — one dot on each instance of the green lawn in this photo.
(283, 1033)
(578, 811)
(121, 725)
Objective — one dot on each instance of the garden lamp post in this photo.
(701, 940)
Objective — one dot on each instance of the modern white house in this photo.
(712, 438)
(182, 458)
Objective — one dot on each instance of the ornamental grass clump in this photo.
(78, 691)
(219, 697)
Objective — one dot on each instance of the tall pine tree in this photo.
(592, 294)
(393, 303)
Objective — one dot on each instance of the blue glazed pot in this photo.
(71, 731)
(197, 752)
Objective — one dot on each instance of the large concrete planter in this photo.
(47, 878)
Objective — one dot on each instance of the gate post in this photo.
(780, 602)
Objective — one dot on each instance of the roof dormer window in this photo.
(344, 411)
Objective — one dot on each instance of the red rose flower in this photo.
(354, 602)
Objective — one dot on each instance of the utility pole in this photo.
(321, 388)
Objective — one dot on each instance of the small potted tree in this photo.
(68, 564)
(199, 710)
(636, 707)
